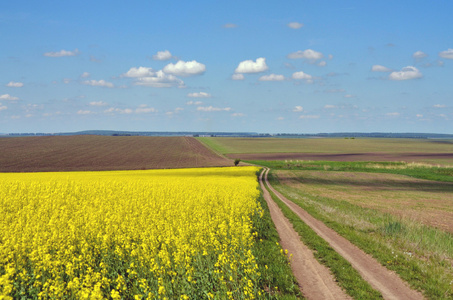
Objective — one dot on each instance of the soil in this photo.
(96, 153)
(385, 281)
(368, 156)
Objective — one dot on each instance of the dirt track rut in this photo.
(315, 280)
(385, 281)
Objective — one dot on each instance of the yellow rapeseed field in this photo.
(167, 234)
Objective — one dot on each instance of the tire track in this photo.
(385, 281)
(315, 280)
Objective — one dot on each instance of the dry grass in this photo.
(94, 153)
(428, 202)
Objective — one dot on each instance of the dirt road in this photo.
(387, 282)
(315, 280)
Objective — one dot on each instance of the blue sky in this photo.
(260, 66)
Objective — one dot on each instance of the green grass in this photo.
(226, 145)
(421, 255)
(414, 170)
(276, 275)
(347, 277)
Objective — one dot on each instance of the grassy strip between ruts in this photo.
(416, 170)
(388, 239)
(347, 277)
(277, 278)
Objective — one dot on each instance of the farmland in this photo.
(94, 153)
(334, 149)
(177, 234)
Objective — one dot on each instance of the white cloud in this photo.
(349, 96)
(211, 108)
(280, 118)
(194, 102)
(309, 117)
(322, 63)
(160, 80)
(298, 108)
(85, 75)
(230, 25)
(162, 55)
(295, 25)
(330, 56)
(85, 112)
(199, 95)
(139, 72)
(144, 109)
(8, 97)
(309, 54)
(98, 103)
(183, 68)
(238, 76)
(67, 80)
(303, 76)
(101, 83)
(62, 53)
(3, 107)
(406, 73)
(250, 66)
(238, 115)
(419, 116)
(272, 77)
(419, 55)
(329, 106)
(15, 84)
(439, 106)
(379, 68)
(446, 54)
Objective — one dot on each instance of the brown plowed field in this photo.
(95, 153)
(371, 156)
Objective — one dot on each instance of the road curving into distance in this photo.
(380, 278)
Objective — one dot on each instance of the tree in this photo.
(237, 161)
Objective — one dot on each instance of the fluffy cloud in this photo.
(139, 72)
(15, 84)
(194, 102)
(238, 115)
(211, 108)
(298, 108)
(446, 54)
(439, 106)
(8, 97)
(85, 112)
(406, 73)
(85, 75)
(272, 77)
(250, 66)
(185, 68)
(160, 80)
(199, 95)
(379, 68)
(3, 107)
(162, 55)
(144, 109)
(140, 110)
(238, 76)
(309, 54)
(419, 55)
(303, 76)
(62, 53)
(101, 83)
(295, 25)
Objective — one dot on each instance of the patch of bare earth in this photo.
(387, 282)
(95, 153)
(429, 202)
(368, 156)
(315, 280)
